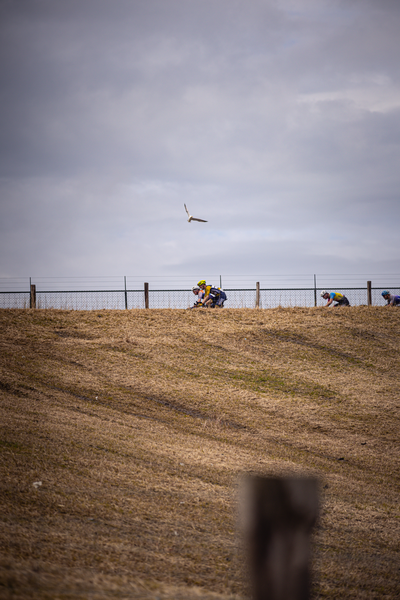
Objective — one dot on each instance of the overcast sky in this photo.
(278, 121)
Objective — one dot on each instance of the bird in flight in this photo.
(193, 218)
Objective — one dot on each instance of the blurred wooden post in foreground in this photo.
(258, 294)
(279, 516)
(146, 295)
(32, 300)
(369, 293)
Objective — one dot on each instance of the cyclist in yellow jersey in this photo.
(203, 286)
(213, 297)
(340, 299)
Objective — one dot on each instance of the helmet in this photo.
(385, 293)
(195, 287)
(323, 293)
(202, 282)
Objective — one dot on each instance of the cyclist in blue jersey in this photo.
(332, 297)
(391, 299)
(214, 297)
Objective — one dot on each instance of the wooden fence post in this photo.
(369, 293)
(278, 517)
(258, 294)
(146, 295)
(32, 301)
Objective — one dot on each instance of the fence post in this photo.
(369, 293)
(32, 302)
(126, 294)
(278, 518)
(258, 294)
(315, 290)
(146, 295)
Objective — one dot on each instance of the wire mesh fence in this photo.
(14, 300)
(181, 298)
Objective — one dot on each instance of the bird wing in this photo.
(201, 220)
(188, 214)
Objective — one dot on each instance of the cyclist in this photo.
(214, 297)
(200, 296)
(391, 299)
(340, 299)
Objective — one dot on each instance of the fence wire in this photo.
(14, 299)
(181, 299)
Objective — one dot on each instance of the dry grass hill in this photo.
(135, 427)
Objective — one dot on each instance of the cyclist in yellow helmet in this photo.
(206, 288)
(213, 297)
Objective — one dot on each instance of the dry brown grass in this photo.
(140, 423)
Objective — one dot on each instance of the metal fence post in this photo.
(258, 294)
(126, 294)
(146, 295)
(315, 290)
(32, 302)
(278, 518)
(369, 293)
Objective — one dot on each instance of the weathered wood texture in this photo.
(280, 517)
(32, 300)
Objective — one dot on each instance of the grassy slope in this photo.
(139, 424)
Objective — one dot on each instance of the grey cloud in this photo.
(279, 120)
